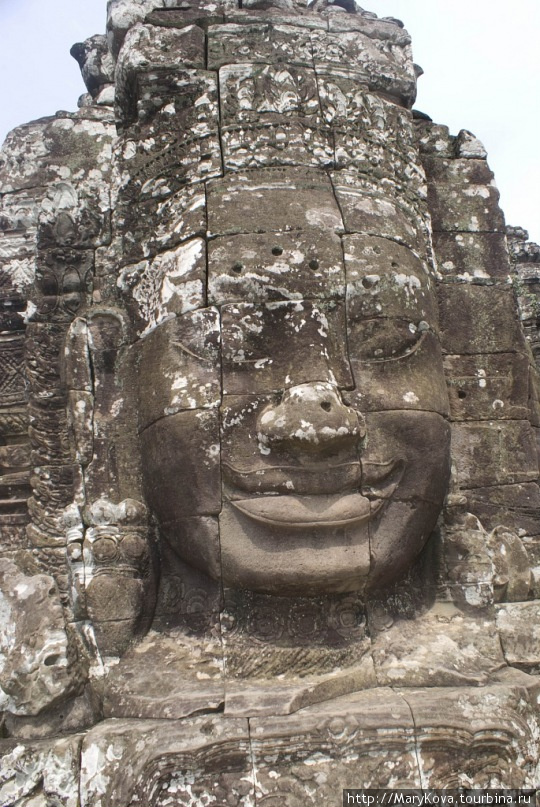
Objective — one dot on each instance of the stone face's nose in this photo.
(310, 417)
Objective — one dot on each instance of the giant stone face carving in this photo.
(292, 398)
(255, 578)
(325, 453)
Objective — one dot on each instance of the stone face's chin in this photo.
(291, 557)
(287, 544)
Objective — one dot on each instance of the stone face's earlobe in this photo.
(117, 574)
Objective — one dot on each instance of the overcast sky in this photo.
(481, 60)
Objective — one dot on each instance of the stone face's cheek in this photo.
(182, 466)
(180, 433)
(420, 441)
(180, 363)
(409, 382)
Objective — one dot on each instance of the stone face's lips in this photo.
(323, 510)
(307, 511)
(308, 480)
(338, 510)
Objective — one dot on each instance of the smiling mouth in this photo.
(338, 510)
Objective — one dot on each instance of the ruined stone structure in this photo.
(269, 494)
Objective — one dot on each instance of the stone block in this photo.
(251, 92)
(162, 52)
(388, 71)
(406, 372)
(478, 319)
(278, 142)
(80, 419)
(387, 29)
(457, 171)
(385, 279)
(442, 648)
(45, 771)
(434, 139)
(494, 453)
(203, 13)
(518, 627)
(279, 16)
(40, 668)
(187, 597)
(63, 282)
(13, 529)
(173, 163)
(48, 432)
(267, 348)
(286, 199)
(469, 146)
(196, 539)
(489, 386)
(181, 465)
(123, 759)
(405, 472)
(299, 568)
(44, 346)
(172, 283)
(155, 223)
(275, 266)
(363, 740)
(190, 678)
(465, 208)
(513, 580)
(254, 463)
(258, 43)
(180, 364)
(366, 210)
(52, 145)
(473, 257)
(464, 719)
(514, 506)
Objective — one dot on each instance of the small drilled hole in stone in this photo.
(50, 661)
(277, 250)
(314, 264)
(326, 405)
(238, 268)
(395, 265)
(462, 394)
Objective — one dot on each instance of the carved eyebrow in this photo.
(190, 352)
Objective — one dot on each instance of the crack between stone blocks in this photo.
(508, 663)
(338, 205)
(79, 778)
(498, 485)
(423, 783)
(468, 232)
(22, 190)
(321, 113)
(219, 100)
(346, 309)
(252, 762)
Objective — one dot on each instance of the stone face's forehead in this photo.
(385, 279)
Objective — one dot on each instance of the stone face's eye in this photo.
(386, 339)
